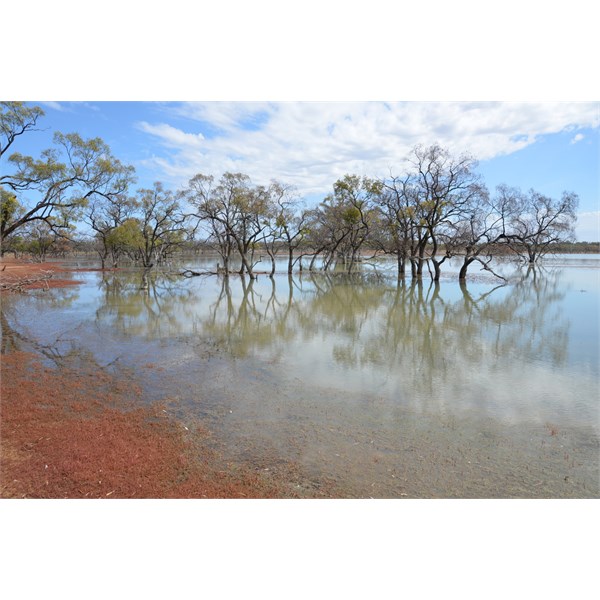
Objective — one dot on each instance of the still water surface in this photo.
(385, 388)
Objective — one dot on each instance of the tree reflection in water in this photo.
(327, 362)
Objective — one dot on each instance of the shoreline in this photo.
(82, 432)
(85, 433)
(18, 275)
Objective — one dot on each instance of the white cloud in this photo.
(311, 144)
(55, 105)
(577, 138)
(173, 137)
(588, 226)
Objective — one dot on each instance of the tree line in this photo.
(437, 209)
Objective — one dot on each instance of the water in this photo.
(385, 388)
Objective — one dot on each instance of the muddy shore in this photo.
(82, 432)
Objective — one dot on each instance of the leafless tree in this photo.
(532, 222)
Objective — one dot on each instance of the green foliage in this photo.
(126, 238)
(351, 215)
(15, 119)
(9, 207)
(57, 185)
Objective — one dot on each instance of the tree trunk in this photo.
(462, 275)
(246, 265)
(437, 270)
(401, 264)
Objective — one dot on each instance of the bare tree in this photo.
(396, 231)
(217, 214)
(445, 187)
(532, 222)
(475, 233)
(237, 212)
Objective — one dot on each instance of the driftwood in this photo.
(17, 283)
(190, 273)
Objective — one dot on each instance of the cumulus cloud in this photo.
(577, 138)
(311, 144)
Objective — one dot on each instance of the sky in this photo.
(548, 146)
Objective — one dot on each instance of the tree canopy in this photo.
(55, 187)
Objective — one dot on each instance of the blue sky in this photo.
(550, 147)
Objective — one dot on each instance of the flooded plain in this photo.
(383, 388)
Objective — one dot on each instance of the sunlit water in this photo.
(385, 388)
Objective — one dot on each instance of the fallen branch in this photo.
(486, 267)
(190, 273)
(19, 283)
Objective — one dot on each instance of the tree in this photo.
(237, 211)
(15, 119)
(104, 214)
(291, 225)
(55, 187)
(445, 187)
(341, 224)
(216, 213)
(478, 230)
(39, 240)
(532, 221)
(162, 223)
(9, 209)
(285, 227)
(126, 238)
(396, 233)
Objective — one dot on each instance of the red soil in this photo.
(15, 272)
(79, 434)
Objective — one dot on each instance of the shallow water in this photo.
(385, 388)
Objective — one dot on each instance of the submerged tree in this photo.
(532, 222)
(287, 227)
(215, 210)
(396, 230)
(475, 234)
(445, 188)
(340, 226)
(162, 224)
(125, 239)
(237, 212)
(104, 214)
